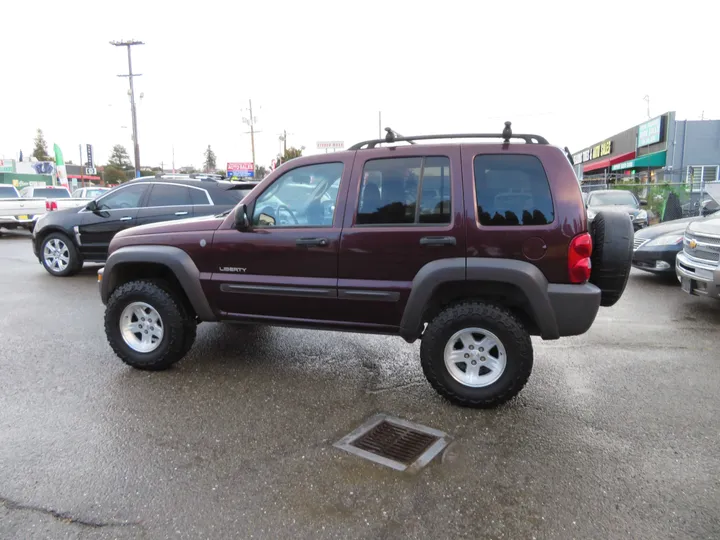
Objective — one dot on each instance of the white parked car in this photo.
(56, 197)
(89, 192)
(16, 211)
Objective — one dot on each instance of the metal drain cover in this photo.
(396, 443)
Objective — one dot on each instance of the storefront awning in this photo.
(657, 159)
(605, 163)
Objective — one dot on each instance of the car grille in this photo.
(637, 242)
(706, 249)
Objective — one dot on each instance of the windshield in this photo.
(51, 193)
(611, 198)
(8, 192)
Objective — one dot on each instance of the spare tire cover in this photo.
(612, 237)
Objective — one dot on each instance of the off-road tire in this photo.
(496, 319)
(612, 238)
(75, 264)
(179, 326)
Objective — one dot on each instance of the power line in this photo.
(133, 110)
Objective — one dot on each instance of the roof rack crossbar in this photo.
(507, 134)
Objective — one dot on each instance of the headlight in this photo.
(591, 214)
(666, 240)
(642, 215)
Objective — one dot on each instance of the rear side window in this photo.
(198, 196)
(169, 195)
(512, 189)
(7, 192)
(50, 193)
(228, 197)
(405, 191)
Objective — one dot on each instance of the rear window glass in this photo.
(229, 196)
(512, 189)
(7, 192)
(51, 193)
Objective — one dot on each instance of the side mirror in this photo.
(91, 206)
(266, 219)
(643, 203)
(242, 221)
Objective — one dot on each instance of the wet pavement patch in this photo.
(395, 443)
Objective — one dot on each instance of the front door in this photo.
(115, 211)
(402, 213)
(166, 202)
(285, 266)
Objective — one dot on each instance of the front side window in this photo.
(169, 195)
(302, 197)
(125, 197)
(512, 189)
(405, 191)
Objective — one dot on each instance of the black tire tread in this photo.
(180, 324)
(499, 316)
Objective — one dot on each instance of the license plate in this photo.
(23, 217)
(686, 285)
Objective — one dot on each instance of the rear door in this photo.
(166, 202)
(404, 210)
(116, 211)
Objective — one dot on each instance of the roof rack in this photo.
(507, 134)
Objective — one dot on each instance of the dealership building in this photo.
(662, 149)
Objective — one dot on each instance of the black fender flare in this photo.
(175, 259)
(527, 277)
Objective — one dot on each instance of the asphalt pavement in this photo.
(615, 436)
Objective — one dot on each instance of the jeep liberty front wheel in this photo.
(476, 355)
(146, 327)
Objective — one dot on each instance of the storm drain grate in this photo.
(394, 442)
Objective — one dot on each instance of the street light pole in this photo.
(133, 109)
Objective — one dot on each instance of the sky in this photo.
(574, 72)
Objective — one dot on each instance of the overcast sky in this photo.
(574, 72)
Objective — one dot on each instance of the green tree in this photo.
(40, 152)
(114, 175)
(260, 172)
(291, 153)
(119, 158)
(210, 160)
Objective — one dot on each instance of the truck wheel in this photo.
(59, 256)
(476, 355)
(146, 327)
(612, 237)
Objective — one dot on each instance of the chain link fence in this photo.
(669, 196)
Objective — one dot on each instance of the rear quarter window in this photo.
(512, 189)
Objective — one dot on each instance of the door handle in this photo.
(181, 213)
(312, 242)
(438, 241)
(126, 218)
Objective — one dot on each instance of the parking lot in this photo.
(615, 436)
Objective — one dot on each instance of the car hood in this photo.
(710, 225)
(615, 208)
(196, 224)
(669, 227)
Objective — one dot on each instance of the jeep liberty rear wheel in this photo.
(476, 355)
(146, 327)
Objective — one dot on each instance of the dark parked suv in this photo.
(470, 247)
(63, 240)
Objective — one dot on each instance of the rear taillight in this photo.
(579, 258)
(50, 206)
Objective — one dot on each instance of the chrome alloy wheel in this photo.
(141, 327)
(475, 357)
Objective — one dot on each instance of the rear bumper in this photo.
(658, 259)
(15, 221)
(698, 278)
(575, 307)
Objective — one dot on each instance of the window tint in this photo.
(168, 195)
(51, 193)
(392, 188)
(125, 197)
(302, 197)
(8, 192)
(228, 197)
(512, 190)
(198, 196)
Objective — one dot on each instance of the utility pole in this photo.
(82, 179)
(251, 122)
(647, 98)
(133, 110)
(379, 124)
(173, 149)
